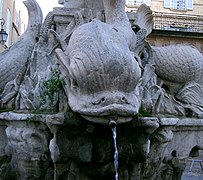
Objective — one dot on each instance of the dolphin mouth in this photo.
(101, 115)
(120, 110)
(104, 120)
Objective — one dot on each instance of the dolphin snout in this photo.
(111, 99)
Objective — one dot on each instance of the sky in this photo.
(46, 6)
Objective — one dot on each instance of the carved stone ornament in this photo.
(108, 69)
(86, 64)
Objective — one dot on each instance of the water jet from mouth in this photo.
(112, 124)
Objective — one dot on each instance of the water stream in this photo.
(112, 125)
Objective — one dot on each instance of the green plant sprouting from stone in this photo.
(142, 113)
(51, 86)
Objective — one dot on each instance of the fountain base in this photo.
(77, 148)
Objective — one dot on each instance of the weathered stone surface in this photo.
(28, 147)
(3, 140)
(106, 71)
(114, 64)
(14, 64)
(122, 58)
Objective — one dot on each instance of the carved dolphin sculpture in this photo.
(103, 72)
(13, 60)
(179, 69)
(177, 65)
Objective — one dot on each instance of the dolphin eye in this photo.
(74, 83)
(136, 28)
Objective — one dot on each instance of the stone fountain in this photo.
(85, 67)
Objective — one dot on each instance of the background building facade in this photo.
(12, 18)
(175, 21)
(190, 7)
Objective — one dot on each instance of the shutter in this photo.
(189, 4)
(174, 4)
(147, 2)
(167, 3)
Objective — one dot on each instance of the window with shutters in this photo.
(179, 4)
(138, 2)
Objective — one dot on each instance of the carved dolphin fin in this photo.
(34, 12)
(14, 59)
(144, 18)
(63, 61)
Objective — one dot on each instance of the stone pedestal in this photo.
(65, 146)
